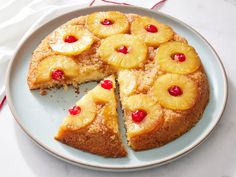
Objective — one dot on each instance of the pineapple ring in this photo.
(84, 42)
(102, 95)
(127, 82)
(153, 120)
(164, 33)
(183, 102)
(137, 51)
(86, 116)
(64, 63)
(119, 24)
(164, 58)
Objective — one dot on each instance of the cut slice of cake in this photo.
(142, 114)
(92, 124)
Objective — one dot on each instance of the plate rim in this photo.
(108, 168)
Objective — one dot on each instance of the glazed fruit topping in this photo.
(175, 90)
(138, 115)
(106, 22)
(180, 57)
(151, 28)
(123, 49)
(70, 39)
(75, 110)
(107, 84)
(57, 75)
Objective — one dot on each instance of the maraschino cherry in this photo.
(151, 28)
(70, 39)
(138, 115)
(180, 57)
(106, 22)
(107, 84)
(122, 49)
(57, 75)
(75, 110)
(175, 90)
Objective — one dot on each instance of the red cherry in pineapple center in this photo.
(107, 84)
(138, 115)
(70, 39)
(106, 22)
(175, 90)
(122, 49)
(151, 28)
(180, 57)
(75, 110)
(57, 75)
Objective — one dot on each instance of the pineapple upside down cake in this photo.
(162, 84)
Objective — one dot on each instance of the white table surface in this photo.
(216, 21)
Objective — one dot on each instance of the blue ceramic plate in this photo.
(40, 116)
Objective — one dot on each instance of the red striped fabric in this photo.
(2, 102)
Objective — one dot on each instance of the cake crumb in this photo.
(43, 92)
(86, 90)
(65, 87)
(77, 90)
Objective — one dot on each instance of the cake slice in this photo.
(143, 115)
(92, 124)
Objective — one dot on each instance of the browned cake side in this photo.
(96, 138)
